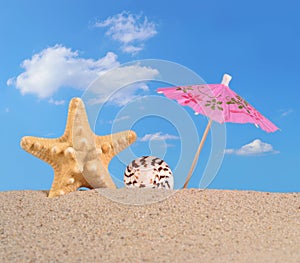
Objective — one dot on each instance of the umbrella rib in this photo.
(197, 153)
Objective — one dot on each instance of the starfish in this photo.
(79, 158)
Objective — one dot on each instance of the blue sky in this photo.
(51, 51)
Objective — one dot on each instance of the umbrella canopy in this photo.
(219, 103)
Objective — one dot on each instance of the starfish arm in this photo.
(43, 148)
(60, 187)
(67, 179)
(97, 175)
(69, 176)
(110, 145)
(77, 121)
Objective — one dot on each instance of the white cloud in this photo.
(130, 30)
(286, 112)
(121, 85)
(158, 136)
(122, 118)
(257, 147)
(57, 67)
(56, 102)
(131, 49)
(128, 94)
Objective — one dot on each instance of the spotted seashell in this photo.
(148, 172)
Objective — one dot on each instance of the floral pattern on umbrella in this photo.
(218, 102)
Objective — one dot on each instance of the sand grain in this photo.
(189, 226)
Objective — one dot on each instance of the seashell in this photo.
(148, 172)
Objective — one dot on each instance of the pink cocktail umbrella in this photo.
(219, 103)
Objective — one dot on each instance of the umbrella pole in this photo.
(197, 153)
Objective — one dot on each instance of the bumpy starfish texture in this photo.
(79, 157)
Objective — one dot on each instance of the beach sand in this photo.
(189, 226)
